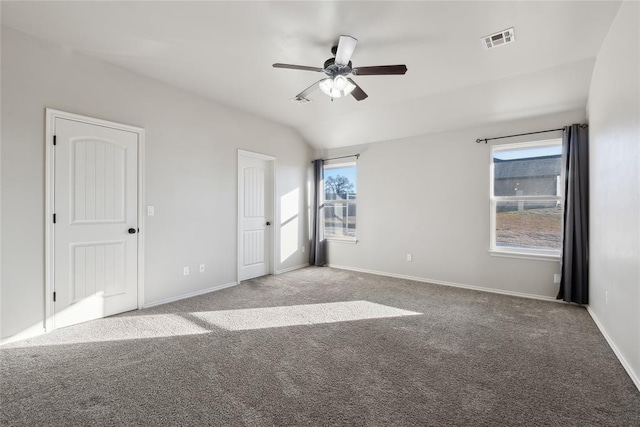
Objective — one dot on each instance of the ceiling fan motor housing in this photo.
(333, 70)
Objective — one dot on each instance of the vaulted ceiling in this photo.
(224, 51)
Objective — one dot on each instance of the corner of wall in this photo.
(613, 111)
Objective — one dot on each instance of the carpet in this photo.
(320, 346)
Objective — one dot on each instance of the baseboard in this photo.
(297, 267)
(452, 284)
(189, 295)
(634, 377)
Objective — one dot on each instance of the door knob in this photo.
(132, 231)
(268, 223)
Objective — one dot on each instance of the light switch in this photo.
(151, 210)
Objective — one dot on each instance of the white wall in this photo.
(429, 196)
(191, 172)
(614, 132)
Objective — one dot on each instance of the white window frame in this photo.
(345, 239)
(516, 252)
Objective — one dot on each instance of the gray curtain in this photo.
(317, 254)
(574, 285)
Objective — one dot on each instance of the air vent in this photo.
(299, 100)
(498, 39)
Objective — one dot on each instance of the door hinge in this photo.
(54, 297)
(54, 218)
(54, 140)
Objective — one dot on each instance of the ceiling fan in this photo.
(338, 84)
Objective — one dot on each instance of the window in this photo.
(340, 196)
(526, 201)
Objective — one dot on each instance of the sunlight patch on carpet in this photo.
(136, 327)
(117, 329)
(295, 315)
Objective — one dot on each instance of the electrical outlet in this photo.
(303, 249)
(409, 257)
(185, 271)
(556, 278)
(201, 268)
(151, 210)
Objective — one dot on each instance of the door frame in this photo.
(51, 116)
(272, 230)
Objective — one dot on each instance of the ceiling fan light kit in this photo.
(338, 84)
(337, 87)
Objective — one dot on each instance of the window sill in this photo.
(338, 240)
(525, 255)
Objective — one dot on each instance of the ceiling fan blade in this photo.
(358, 93)
(297, 67)
(380, 70)
(346, 46)
(308, 90)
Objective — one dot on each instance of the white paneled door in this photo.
(255, 200)
(95, 232)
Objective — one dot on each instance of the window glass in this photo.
(340, 199)
(529, 225)
(526, 202)
(527, 171)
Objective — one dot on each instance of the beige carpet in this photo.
(324, 347)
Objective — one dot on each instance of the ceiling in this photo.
(224, 51)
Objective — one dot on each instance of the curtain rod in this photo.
(357, 156)
(478, 141)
